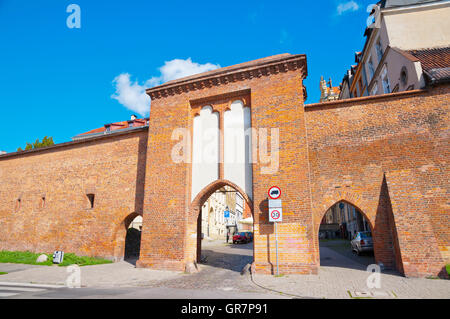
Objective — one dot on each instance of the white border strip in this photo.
(23, 284)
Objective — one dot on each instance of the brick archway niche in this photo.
(120, 236)
(194, 242)
(375, 235)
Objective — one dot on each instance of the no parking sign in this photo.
(275, 211)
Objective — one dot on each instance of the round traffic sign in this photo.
(274, 192)
(275, 214)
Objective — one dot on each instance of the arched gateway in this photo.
(240, 126)
(247, 126)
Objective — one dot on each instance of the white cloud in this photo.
(132, 94)
(347, 6)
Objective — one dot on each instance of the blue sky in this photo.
(59, 82)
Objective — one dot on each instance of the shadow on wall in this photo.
(266, 229)
(140, 177)
(386, 246)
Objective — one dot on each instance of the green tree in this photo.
(46, 141)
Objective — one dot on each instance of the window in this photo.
(42, 204)
(379, 50)
(19, 201)
(374, 89)
(385, 80)
(404, 76)
(371, 68)
(91, 198)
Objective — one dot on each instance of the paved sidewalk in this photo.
(107, 275)
(220, 274)
(347, 276)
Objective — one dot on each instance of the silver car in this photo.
(362, 242)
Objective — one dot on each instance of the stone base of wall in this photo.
(174, 265)
(285, 268)
(419, 271)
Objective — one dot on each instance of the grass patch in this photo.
(448, 269)
(280, 275)
(29, 258)
(3, 273)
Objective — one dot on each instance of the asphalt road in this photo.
(219, 277)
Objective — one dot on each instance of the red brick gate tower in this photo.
(387, 155)
(272, 89)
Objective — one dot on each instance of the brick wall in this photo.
(112, 168)
(388, 156)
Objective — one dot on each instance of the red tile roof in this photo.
(118, 125)
(437, 58)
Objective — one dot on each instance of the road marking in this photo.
(21, 289)
(7, 294)
(22, 284)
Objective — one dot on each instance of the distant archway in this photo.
(338, 226)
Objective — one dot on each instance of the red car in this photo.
(241, 237)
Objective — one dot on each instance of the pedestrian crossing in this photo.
(14, 289)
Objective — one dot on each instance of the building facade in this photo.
(387, 155)
(328, 92)
(342, 220)
(400, 53)
(215, 224)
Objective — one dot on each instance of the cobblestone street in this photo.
(343, 275)
(220, 269)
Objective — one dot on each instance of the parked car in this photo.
(362, 242)
(241, 237)
(249, 235)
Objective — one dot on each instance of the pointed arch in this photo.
(208, 190)
(193, 241)
(120, 236)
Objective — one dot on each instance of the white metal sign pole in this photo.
(275, 213)
(276, 245)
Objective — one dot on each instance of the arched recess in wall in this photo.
(193, 243)
(120, 236)
(205, 149)
(238, 146)
(341, 221)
